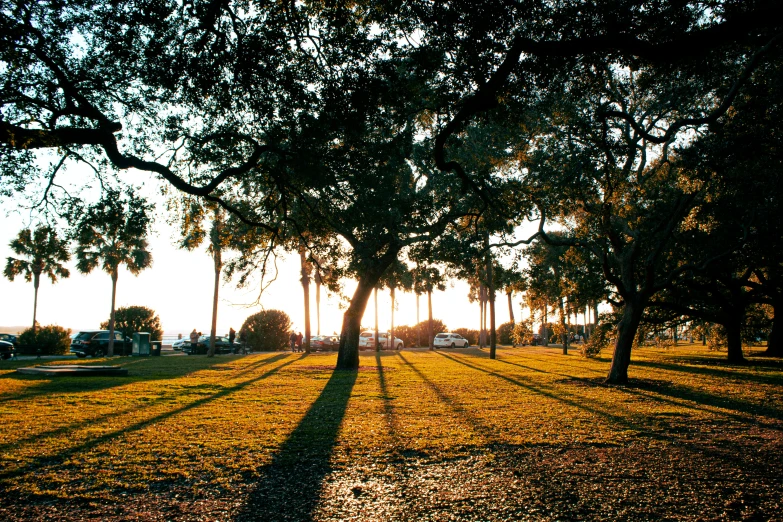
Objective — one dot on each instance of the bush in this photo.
(268, 330)
(408, 335)
(504, 333)
(132, 319)
(52, 340)
(471, 335)
(523, 333)
(599, 339)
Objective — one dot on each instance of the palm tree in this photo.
(112, 233)
(220, 237)
(427, 279)
(43, 253)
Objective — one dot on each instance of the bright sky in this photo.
(179, 288)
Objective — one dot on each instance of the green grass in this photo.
(411, 435)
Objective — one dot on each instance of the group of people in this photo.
(296, 342)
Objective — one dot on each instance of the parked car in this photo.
(10, 338)
(450, 340)
(177, 344)
(367, 341)
(96, 343)
(7, 350)
(222, 345)
(325, 342)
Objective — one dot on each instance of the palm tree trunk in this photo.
(318, 303)
(114, 276)
(546, 327)
(563, 325)
(418, 322)
(306, 290)
(430, 334)
(218, 263)
(36, 283)
(377, 338)
(391, 332)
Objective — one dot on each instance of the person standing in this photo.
(193, 337)
(243, 340)
(293, 341)
(299, 341)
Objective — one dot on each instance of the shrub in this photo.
(132, 319)
(505, 332)
(523, 333)
(408, 335)
(471, 335)
(599, 339)
(51, 340)
(267, 330)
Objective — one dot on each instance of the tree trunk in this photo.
(481, 316)
(546, 328)
(511, 316)
(564, 335)
(218, 262)
(418, 322)
(430, 334)
(348, 355)
(391, 331)
(377, 337)
(733, 329)
(36, 284)
(318, 303)
(114, 276)
(306, 291)
(595, 317)
(492, 331)
(626, 331)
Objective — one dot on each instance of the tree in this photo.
(43, 253)
(132, 319)
(398, 275)
(426, 279)
(221, 235)
(113, 233)
(267, 330)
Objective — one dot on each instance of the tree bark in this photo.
(734, 339)
(348, 355)
(318, 303)
(391, 331)
(36, 284)
(546, 328)
(305, 270)
(114, 275)
(492, 331)
(377, 337)
(626, 331)
(511, 315)
(218, 263)
(564, 335)
(418, 322)
(430, 334)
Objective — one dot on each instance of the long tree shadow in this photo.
(289, 487)
(685, 365)
(57, 459)
(38, 437)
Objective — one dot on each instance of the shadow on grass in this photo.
(38, 437)
(289, 487)
(471, 420)
(685, 365)
(388, 410)
(141, 369)
(59, 458)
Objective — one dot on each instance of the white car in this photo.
(177, 345)
(367, 341)
(450, 340)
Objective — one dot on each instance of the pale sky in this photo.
(179, 288)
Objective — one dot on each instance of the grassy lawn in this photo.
(416, 435)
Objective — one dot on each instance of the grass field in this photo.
(415, 435)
